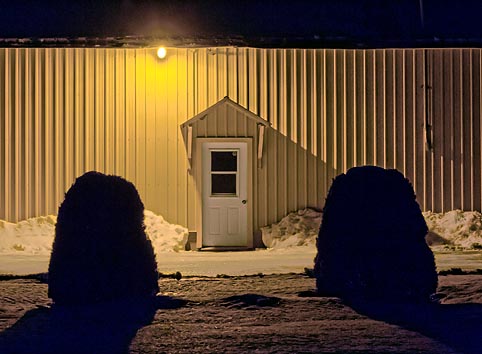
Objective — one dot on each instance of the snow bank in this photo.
(462, 229)
(164, 236)
(35, 236)
(458, 228)
(32, 236)
(299, 228)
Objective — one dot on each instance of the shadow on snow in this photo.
(100, 328)
(457, 325)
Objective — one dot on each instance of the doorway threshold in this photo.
(225, 248)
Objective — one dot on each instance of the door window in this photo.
(224, 172)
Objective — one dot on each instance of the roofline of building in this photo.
(314, 42)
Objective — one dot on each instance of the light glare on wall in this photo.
(161, 52)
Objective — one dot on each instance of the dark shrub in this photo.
(371, 243)
(101, 251)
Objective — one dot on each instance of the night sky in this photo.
(368, 20)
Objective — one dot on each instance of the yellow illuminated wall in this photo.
(67, 111)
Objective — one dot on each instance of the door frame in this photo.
(199, 185)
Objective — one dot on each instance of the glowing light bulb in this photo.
(161, 52)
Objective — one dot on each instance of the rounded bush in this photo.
(101, 251)
(371, 244)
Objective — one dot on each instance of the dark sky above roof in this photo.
(352, 20)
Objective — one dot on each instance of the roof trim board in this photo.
(231, 103)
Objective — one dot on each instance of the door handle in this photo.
(244, 201)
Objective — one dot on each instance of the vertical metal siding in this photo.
(67, 111)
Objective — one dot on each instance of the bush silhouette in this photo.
(101, 251)
(371, 243)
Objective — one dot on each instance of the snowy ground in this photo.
(261, 313)
(35, 236)
(25, 247)
(453, 230)
(235, 263)
(192, 262)
(270, 314)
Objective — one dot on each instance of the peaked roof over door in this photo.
(226, 101)
(224, 124)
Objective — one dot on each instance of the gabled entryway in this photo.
(224, 146)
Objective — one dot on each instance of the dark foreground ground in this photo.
(269, 314)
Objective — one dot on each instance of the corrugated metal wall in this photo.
(66, 111)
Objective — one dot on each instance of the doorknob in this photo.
(243, 201)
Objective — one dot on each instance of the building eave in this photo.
(284, 42)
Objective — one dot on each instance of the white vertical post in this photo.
(189, 145)
(260, 144)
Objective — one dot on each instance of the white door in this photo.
(224, 196)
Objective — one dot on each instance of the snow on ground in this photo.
(292, 260)
(283, 316)
(28, 237)
(269, 314)
(299, 228)
(35, 236)
(458, 228)
(25, 247)
(164, 236)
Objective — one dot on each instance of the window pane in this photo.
(224, 160)
(223, 184)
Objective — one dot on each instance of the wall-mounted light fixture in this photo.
(161, 52)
